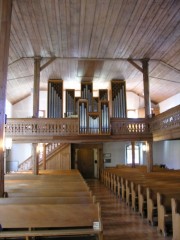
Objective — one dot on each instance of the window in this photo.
(132, 114)
(129, 154)
(41, 113)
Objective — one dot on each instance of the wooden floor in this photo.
(119, 221)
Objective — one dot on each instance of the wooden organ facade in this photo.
(93, 112)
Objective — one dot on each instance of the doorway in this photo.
(88, 159)
(85, 162)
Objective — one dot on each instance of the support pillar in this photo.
(44, 156)
(149, 155)
(5, 25)
(133, 154)
(35, 158)
(147, 102)
(37, 69)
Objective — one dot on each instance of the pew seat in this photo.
(33, 220)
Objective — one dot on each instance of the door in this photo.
(85, 162)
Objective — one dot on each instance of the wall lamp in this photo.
(8, 143)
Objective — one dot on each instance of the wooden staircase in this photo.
(50, 150)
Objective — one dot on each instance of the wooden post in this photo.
(35, 158)
(37, 69)
(133, 154)
(149, 153)
(44, 156)
(147, 101)
(5, 25)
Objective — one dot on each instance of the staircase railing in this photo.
(50, 148)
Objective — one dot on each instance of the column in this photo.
(147, 101)
(149, 152)
(44, 156)
(5, 25)
(37, 64)
(133, 154)
(35, 158)
(35, 155)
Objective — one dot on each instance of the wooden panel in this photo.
(60, 160)
(93, 39)
(89, 68)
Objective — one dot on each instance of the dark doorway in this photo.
(85, 162)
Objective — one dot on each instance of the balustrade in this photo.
(166, 120)
(69, 127)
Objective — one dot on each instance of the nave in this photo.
(119, 221)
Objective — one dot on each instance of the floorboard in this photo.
(119, 221)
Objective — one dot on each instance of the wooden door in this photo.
(85, 162)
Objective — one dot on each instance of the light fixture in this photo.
(144, 148)
(8, 143)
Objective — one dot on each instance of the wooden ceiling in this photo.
(92, 40)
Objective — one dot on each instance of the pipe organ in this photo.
(118, 99)
(104, 108)
(70, 102)
(86, 93)
(83, 119)
(103, 94)
(55, 99)
(93, 112)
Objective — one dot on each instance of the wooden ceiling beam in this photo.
(47, 63)
(131, 61)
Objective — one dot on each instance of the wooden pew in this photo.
(168, 188)
(31, 220)
(49, 200)
(165, 211)
(175, 205)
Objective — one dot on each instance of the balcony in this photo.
(163, 126)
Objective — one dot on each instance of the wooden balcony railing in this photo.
(166, 120)
(69, 127)
(41, 127)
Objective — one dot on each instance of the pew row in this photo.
(44, 220)
(175, 205)
(165, 211)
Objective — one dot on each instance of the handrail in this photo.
(166, 120)
(69, 127)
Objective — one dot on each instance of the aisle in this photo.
(119, 221)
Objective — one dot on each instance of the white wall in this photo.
(43, 102)
(117, 151)
(169, 103)
(168, 153)
(24, 108)
(19, 153)
(134, 101)
(8, 109)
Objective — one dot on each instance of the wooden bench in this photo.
(175, 205)
(50, 220)
(49, 200)
(168, 188)
(165, 211)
